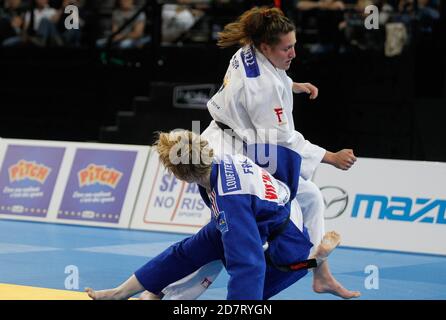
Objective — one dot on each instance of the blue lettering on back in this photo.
(250, 62)
(229, 177)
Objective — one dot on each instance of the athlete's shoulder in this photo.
(228, 178)
(255, 73)
(250, 63)
(236, 175)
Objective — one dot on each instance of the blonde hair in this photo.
(184, 154)
(256, 26)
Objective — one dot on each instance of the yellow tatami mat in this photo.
(14, 292)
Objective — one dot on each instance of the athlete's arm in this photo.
(245, 262)
(343, 159)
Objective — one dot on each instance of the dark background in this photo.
(384, 107)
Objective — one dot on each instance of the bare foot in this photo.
(102, 294)
(334, 287)
(91, 293)
(324, 282)
(329, 242)
(147, 295)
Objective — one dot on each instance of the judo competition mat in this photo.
(40, 261)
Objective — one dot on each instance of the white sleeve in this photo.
(312, 156)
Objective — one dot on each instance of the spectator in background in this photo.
(11, 23)
(70, 37)
(40, 25)
(409, 22)
(320, 4)
(427, 9)
(177, 19)
(133, 35)
(327, 15)
(355, 35)
(427, 14)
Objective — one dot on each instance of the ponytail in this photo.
(256, 26)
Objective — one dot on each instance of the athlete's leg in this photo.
(323, 280)
(181, 259)
(146, 295)
(126, 290)
(329, 242)
(172, 264)
(192, 286)
(311, 202)
(276, 280)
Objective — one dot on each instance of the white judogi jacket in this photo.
(255, 97)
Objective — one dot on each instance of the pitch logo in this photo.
(96, 174)
(28, 170)
(335, 200)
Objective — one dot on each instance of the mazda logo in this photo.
(335, 200)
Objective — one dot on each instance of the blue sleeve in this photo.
(181, 259)
(245, 261)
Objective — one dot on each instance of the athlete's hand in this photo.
(343, 159)
(306, 87)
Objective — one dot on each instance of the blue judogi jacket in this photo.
(247, 204)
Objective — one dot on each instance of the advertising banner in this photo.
(102, 185)
(387, 204)
(28, 176)
(70, 182)
(168, 204)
